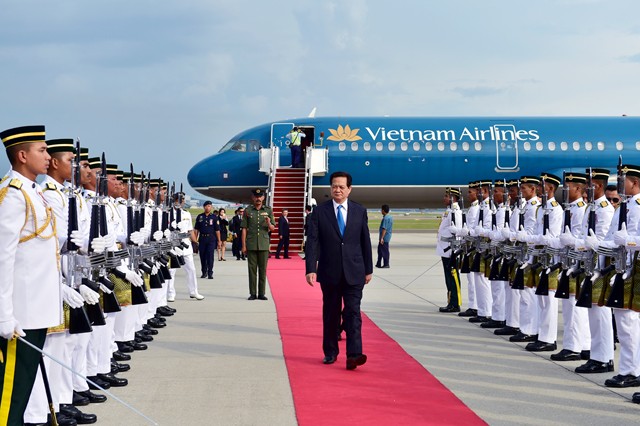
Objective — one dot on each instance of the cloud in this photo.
(477, 91)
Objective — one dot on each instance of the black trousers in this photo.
(284, 242)
(207, 250)
(452, 280)
(383, 254)
(236, 247)
(334, 296)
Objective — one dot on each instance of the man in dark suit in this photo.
(283, 235)
(338, 254)
(236, 231)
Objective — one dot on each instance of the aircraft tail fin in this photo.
(312, 114)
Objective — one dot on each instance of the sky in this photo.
(166, 83)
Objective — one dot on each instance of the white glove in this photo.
(157, 236)
(77, 238)
(146, 232)
(131, 276)
(592, 241)
(496, 235)
(110, 240)
(178, 251)
(566, 238)
(595, 276)
(521, 236)
(137, 238)
(580, 244)
(9, 328)
(545, 240)
(525, 265)
(183, 226)
(473, 232)
(167, 233)
(506, 233)
(72, 297)
(98, 244)
(90, 296)
(612, 280)
(462, 232)
(622, 238)
(174, 224)
(105, 289)
(479, 231)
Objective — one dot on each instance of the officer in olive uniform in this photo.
(207, 232)
(257, 222)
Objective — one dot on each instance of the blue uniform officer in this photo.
(207, 232)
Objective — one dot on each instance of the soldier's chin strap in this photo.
(130, 407)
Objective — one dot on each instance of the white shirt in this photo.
(344, 209)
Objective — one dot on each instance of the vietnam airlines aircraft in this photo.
(406, 161)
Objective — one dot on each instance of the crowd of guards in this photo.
(524, 252)
(87, 265)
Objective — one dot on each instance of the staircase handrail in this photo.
(275, 152)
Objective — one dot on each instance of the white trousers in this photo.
(601, 327)
(100, 347)
(576, 336)
(125, 324)
(628, 325)
(189, 269)
(548, 317)
(79, 360)
(483, 295)
(498, 296)
(512, 305)
(528, 311)
(471, 290)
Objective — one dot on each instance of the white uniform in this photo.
(499, 288)
(189, 267)
(472, 222)
(482, 284)
(512, 297)
(528, 298)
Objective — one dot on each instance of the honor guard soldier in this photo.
(472, 221)
(451, 219)
(256, 224)
(481, 230)
(207, 232)
(29, 302)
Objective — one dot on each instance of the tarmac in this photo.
(219, 361)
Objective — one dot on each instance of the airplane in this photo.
(407, 161)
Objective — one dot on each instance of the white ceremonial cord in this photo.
(130, 407)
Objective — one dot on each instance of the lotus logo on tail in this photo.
(345, 133)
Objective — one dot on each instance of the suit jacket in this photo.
(283, 227)
(235, 225)
(330, 255)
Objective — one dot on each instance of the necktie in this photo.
(341, 223)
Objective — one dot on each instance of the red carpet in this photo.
(391, 388)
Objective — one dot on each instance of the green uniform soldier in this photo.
(257, 222)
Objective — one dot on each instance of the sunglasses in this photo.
(614, 200)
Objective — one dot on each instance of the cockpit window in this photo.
(242, 146)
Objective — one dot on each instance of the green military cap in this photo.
(112, 169)
(137, 177)
(258, 192)
(629, 170)
(20, 135)
(599, 174)
(126, 176)
(453, 191)
(575, 177)
(548, 177)
(485, 182)
(95, 162)
(473, 184)
(84, 154)
(119, 174)
(60, 145)
(532, 180)
(154, 183)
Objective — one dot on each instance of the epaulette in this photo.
(554, 204)
(605, 203)
(445, 214)
(534, 202)
(16, 183)
(637, 200)
(50, 186)
(475, 203)
(581, 204)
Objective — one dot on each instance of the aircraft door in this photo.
(279, 132)
(506, 147)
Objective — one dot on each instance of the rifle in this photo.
(138, 296)
(475, 265)
(519, 250)
(464, 263)
(587, 260)
(544, 259)
(619, 254)
(508, 257)
(564, 285)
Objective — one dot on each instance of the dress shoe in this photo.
(622, 381)
(385, 267)
(119, 356)
(203, 276)
(539, 346)
(592, 367)
(263, 297)
(354, 361)
(476, 320)
(450, 309)
(98, 381)
(277, 257)
(160, 318)
(636, 398)
(164, 312)
(493, 324)
(124, 347)
(585, 355)
(80, 417)
(144, 337)
(114, 381)
(94, 398)
(171, 298)
(377, 265)
(506, 331)
(196, 296)
(521, 337)
(565, 355)
(79, 400)
(252, 297)
(38, 424)
(138, 346)
(287, 257)
(119, 368)
(153, 322)
(150, 330)
(210, 277)
(469, 313)
(62, 420)
(329, 359)
(170, 309)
